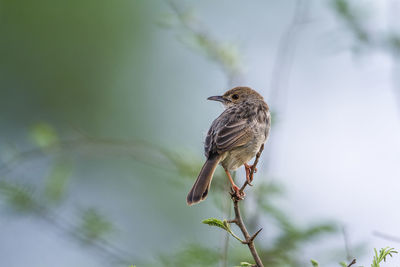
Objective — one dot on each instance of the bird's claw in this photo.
(237, 193)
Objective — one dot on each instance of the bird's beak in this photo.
(217, 98)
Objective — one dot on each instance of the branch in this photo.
(249, 240)
(352, 263)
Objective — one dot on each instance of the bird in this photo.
(233, 139)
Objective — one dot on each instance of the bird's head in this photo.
(237, 96)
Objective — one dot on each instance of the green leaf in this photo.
(44, 135)
(343, 264)
(314, 263)
(215, 222)
(221, 224)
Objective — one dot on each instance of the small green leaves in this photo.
(215, 222)
(314, 263)
(195, 255)
(383, 253)
(223, 225)
(343, 264)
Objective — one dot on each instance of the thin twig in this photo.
(249, 240)
(352, 262)
(346, 243)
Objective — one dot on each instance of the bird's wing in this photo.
(234, 134)
(228, 132)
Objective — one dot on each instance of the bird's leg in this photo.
(235, 188)
(248, 170)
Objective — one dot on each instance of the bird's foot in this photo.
(237, 193)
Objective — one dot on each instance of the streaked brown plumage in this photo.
(234, 137)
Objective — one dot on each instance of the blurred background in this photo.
(103, 114)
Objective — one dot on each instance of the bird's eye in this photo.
(235, 96)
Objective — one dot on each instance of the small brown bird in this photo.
(233, 139)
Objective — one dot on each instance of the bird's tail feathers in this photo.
(200, 188)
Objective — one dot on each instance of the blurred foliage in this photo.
(56, 183)
(378, 258)
(62, 62)
(19, 197)
(44, 135)
(193, 255)
(193, 35)
(43, 200)
(353, 15)
(93, 225)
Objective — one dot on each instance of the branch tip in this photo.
(352, 262)
(255, 235)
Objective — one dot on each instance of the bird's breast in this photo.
(235, 158)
